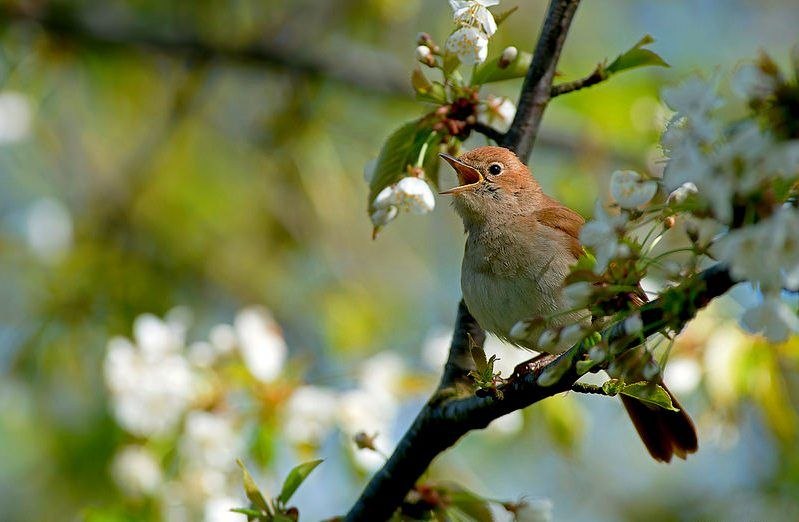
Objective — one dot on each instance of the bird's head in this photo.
(493, 183)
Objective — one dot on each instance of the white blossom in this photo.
(218, 509)
(48, 228)
(155, 337)
(414, 194)
(577, 294)
(633, 325)
(571, 334)
(681, 193)
(149, 394)
(15, 117)
(682, 374)
(630, 190)
(772, 317)
(261, 343)
(223, 338)
(774, 239)
(202, 354)
(136, 471)
(360, 410)
(601, 234)
(383, 216)
(751, 82)
(534, 511)
(497, 111)
(509, 54)
(548, 339)
(693, 97)
(475, 13)
(382, 374)
(470, 45)
(211, 440)
(310, 414)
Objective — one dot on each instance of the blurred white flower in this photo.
(633, 325)
(210, 440)
(577, 294)
(310, 414)
(772, 317)
(136, 471)
(361, 410)
(15, 117)
(507, 425)
(725, 352)
(693, 97)
(548, 339)
(630, 190)
(48, 228)
(682, 374)
(155, 337)
(382, 374)
(218, 509)
(474, 13)
(148, 394)
(601, 234)
(261, 343)
(470, 45)
(681, 193)
(509, 54)
(774, 238)
(202, 354)
(223, 338)
(497, 111)
(435, 347)
(750, 82)
(534, 511)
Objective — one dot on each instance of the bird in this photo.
(520, 247)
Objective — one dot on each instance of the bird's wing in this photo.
(566, 220)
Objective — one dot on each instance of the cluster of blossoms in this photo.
(201, 398)
(729, 196)
(163, 390)
(404, 185)
(475, 26)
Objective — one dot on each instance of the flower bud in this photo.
(633, 325)
(365, 441)
(509, 54)
(424, 55)
(548, 338)
(424, 39)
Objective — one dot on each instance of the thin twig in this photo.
(594, 78)
(489, 132)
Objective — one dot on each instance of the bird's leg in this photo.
(532, 365)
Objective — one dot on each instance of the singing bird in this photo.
(520, 246)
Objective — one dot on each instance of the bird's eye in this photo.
(494, 169)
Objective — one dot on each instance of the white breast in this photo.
(505, 281)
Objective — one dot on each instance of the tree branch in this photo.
(537, 85)
(594, 78)
(489, 132)
(444, 420)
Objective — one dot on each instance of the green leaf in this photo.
(649, 393)
(501, 17)
(252, 491)
(251, 513)
(431, 162)
(585, 366)
(296, 477)
(613, 387)
(400, 150)
(637, 56)
(490, 71)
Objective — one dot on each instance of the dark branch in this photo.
(489, 132)
(537, 86)
(347, 64)
(446, 417)
(594, 78)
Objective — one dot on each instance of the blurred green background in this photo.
(210, 155)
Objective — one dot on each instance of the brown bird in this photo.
(519, 249)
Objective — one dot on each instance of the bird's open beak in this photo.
(468, 176)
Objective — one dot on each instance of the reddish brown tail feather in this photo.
(665, 433)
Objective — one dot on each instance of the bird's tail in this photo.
(665, 433)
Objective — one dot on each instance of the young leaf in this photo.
(490, 71)
(613, 387)
(585, 366)
(470, 505)
(296, 477)
(649, 393)
(636, 56)
(501, 17)
(252, 491)
(251, 513)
